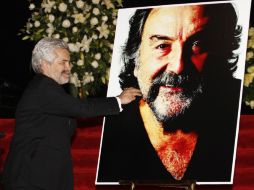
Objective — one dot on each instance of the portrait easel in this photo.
(186, 184)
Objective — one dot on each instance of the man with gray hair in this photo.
(39, 156)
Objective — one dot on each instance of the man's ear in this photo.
(44, 66)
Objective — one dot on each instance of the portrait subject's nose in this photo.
(175, 58)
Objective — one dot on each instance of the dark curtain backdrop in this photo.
(15, 53)
(15, 69)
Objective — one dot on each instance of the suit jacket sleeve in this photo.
(56, 101)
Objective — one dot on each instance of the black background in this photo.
(15, 69)
(15, 53)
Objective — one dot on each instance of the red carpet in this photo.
(85, 151)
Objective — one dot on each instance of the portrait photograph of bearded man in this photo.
(184, 58)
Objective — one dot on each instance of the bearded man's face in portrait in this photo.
(171, 59)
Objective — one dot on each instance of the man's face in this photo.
(171, 59)
(59, 69)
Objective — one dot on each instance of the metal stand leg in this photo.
(191, 186)
(187, 185)
(133, 185)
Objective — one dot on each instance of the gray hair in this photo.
(44, 50)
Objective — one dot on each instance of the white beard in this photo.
(168, 106)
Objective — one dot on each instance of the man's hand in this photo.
(129, 94)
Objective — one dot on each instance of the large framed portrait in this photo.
(188, 61)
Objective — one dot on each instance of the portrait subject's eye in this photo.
(197, 47)
(164, 48)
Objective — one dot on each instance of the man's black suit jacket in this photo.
(39, 155)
